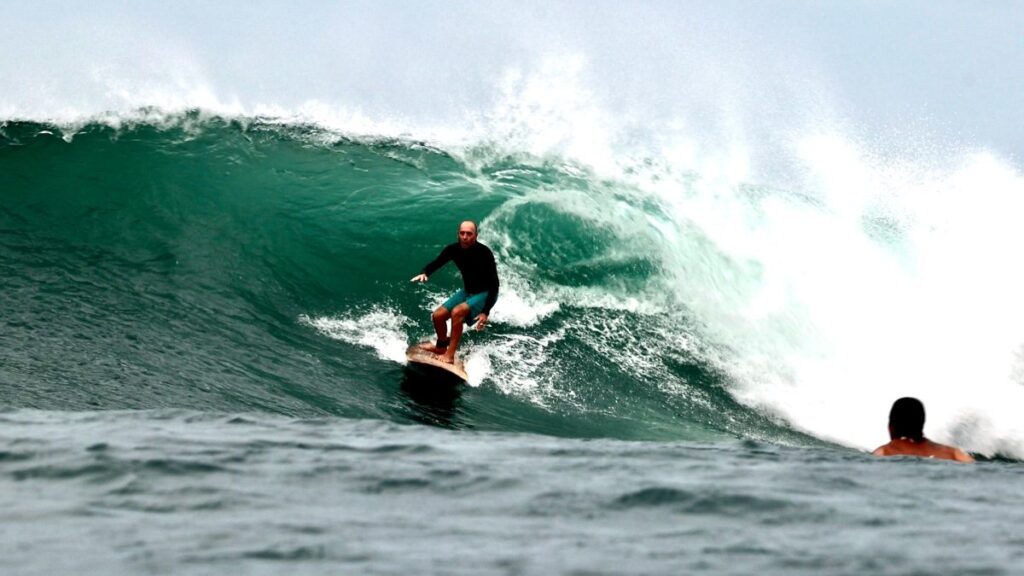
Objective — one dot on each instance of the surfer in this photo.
(906, 429)
(472, 303)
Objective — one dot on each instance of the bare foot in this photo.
(433, 349)
(447, 358)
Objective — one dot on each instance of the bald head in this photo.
(467, 234)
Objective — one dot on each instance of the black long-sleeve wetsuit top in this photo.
(476, 263)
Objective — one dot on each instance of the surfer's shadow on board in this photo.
(432, 398)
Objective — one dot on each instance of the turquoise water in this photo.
(229, 266)
(202, 370)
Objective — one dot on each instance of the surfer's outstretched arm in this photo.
(443, 258)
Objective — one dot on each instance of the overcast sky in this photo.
(937, 69)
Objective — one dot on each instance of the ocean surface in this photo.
(203, 372)
(178, 492)
(712, 292)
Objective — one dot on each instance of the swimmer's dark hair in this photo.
(906, 419)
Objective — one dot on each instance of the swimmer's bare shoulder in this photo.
(923, 449)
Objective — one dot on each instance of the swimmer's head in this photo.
(906, 419)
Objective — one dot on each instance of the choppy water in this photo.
(172, 492)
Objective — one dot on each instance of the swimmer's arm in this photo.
(961, 456)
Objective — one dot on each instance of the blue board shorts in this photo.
(476, 304)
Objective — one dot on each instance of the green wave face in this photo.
(240, 265)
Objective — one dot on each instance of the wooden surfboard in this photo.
(417, 355)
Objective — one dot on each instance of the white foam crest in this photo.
(601, 299)
(520, 366)
(539, 110)
(478, 367)
(867, 279)
(830, 320)
(379, 329)
(521, 309)
(548, 112)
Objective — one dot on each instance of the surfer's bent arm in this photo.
(492, 288)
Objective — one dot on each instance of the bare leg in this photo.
(440, 319)
(458, 317)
